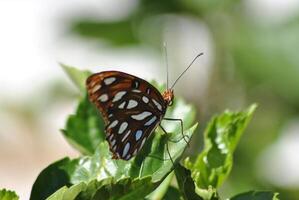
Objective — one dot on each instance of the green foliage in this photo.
(77, 76)
(84, 129)
(221, 137)
(8, 195)
(254, 195)
(186, 184)
(149, 175)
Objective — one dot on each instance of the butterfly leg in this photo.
(167, 148)
(182, 129)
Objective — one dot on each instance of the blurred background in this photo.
(250, 55)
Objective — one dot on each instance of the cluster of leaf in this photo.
(151, 174)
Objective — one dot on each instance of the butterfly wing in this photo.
(131, 107)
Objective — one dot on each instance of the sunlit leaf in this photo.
(85, 129)
(123, 189)
(221, 137)
(160, 192)
(8, 195)
(77, 76)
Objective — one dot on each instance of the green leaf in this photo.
(172, 194)
(123, 189)
(186, 184)
(8, 195)
(256, 195)
(160, 192)
(221, 137)
(66, 193)
(118, 33)
(77, 76)
(52, 178)
(126, 189)
(85, 129)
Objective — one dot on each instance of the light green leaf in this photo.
(160, 192)
(221, 137)
(85, 129)
(77, 76)
(123, 189)
(66, 193)
(8, 195)
(256, 195)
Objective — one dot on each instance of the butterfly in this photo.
(131, 107)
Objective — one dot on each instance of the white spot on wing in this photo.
(152, 120)
(96, 88)
(132, 104)
(122, 127)
(113, 142)
(145, 99)
(103, 98)
(138, 135)
(122, 105)
(141, 116)
(113, 124)
(118, 96)
(142, 143)
(137, 91)
(128, 157)
(126, 135)
(109, 80)
(148, 91)
(157, 104)
(126, 149)
(110, 137)
(135, 152)
(136, 84)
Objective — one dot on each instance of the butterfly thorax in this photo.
(168, 96)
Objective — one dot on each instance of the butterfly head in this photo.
(168, 96)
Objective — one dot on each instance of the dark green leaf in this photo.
(126, 189)
(256, 195)
(52, 178)
(117, 33)
(8, 195)
(221, 137)
(160, 192)
(172, 194)
(85, 129)
(186, 184)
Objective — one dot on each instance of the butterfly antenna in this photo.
(186, 69)
(166, 61)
